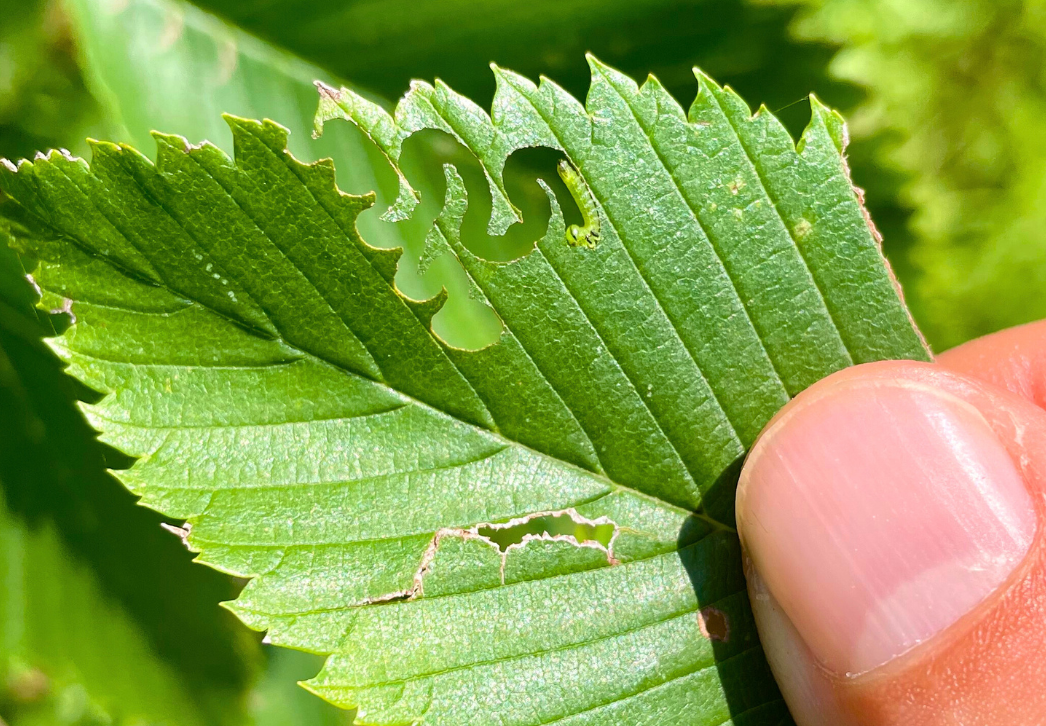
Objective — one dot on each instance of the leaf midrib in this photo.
(250, 330)
(283, 253)
(530, 357)
(295, 166)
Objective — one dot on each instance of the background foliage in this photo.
(945, 101)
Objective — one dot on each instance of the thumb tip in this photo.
(879, 509)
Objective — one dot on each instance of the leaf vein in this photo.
(653, 294)
(293, 165)
(642, 691)
(547, 651)
(283, 253)
(756, 168)
(719, 256)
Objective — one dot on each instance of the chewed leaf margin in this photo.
(483, 454)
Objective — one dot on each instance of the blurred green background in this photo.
(103, 618)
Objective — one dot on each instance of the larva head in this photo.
(566, 171)
(582, 237)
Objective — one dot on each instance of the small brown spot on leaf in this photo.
(329, 91)
(714, 624)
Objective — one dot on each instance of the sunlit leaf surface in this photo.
(288, 402)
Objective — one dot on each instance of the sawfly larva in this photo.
(587, 234)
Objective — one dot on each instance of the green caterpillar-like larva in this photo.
(587, 234)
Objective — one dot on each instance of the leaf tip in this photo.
(106, 151)
(171, 142)
(237, 122)
(594, 63)
(327, 91)
(181, 533)
(832, 120)
(705, 81)
(269, 132)
(330, 103)
(328, 694)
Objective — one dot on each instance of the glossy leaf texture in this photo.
(164, 64)
(284, 398)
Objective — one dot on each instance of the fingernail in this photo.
(879, 514)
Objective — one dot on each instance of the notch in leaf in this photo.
(287, 401)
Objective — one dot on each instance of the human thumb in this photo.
(890, 517)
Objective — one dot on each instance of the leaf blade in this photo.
(356, 499)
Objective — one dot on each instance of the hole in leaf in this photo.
(464, 321)
(552, 525)
(424, 154)
(714, 623)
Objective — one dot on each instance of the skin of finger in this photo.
(810, 695)
(987, 669)
(1014, 359)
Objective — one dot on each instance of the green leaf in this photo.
(286, 400)
(208, 67)
(278, 701)
(43, 101)
(959, 87)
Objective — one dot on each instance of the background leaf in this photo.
(55, 484)
(278, 700)
(296, 409)
(382, 46)
(71, 655)
(167, 65)
(43, 101)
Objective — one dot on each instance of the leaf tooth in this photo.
(425, 310)
(828, 119)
